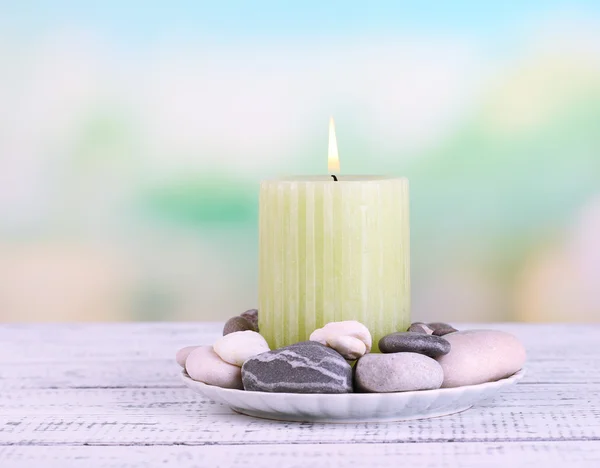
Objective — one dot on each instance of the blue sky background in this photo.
(269, 18)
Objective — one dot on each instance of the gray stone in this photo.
(411, 342)
(441, 328)
(479, 356)
(236, 324)
(420, 327)
(306, 367)
(397, 372)
(252, 315)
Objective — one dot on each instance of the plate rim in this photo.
(513, 378)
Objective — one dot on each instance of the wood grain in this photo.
(109, 395)
(470, 455)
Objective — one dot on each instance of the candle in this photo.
(332, 249)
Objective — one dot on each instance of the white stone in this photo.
(182, 355)
(350, 328)
(204, 365)
(478, 356)
(236, 348)
(349, 347)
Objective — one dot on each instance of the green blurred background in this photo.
(133, 136)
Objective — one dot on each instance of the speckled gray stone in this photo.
(479, 356)
(306, 367)
(397, 372)
(236, 324)
(252, 315)
(441, 328)
(411, 342)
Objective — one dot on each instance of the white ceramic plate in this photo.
(352, 407)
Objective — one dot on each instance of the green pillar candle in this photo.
(331, 251)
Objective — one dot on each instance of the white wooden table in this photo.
(109, 395)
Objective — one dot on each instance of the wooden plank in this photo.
(128, 331)
(178, 416)
(142, 341)
(218, 426)
(98, 374)
(66, 386)
(166, 331)
(466, 455)
(86, 342)
(141, 355)
(160, 373)
(176, 401)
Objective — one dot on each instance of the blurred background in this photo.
(133, 136)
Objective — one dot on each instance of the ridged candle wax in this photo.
(332, 251)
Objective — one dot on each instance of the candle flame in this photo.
(333, 160)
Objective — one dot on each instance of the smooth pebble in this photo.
(182, 355)
(204, 365)
(397, 372)
(411, 342)
(419, 327)
(237, 347)
(441, 328)
(306, 367)
(252, 316)
(349, 347)
(346, 328)
(236, 324)
(479, 356)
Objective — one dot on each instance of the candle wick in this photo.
(334, 177)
